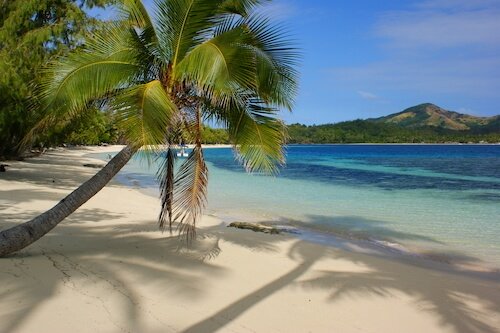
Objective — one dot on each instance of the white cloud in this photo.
(287, 10)
(466, 111)
(279, 10)
(367, 95)
(456, 4)
(439, 28)
(466, 77)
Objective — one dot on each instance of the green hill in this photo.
(422, 123)
(431, 115)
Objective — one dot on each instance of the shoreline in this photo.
(366, 243)
(107, 268)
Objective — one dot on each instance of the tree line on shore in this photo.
(363, 131)
(359, 131)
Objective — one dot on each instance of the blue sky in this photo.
(369, 58)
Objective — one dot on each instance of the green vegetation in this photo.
(31, 32)
(90, 128)
(360, 131)
(214, 135)
(422, 123)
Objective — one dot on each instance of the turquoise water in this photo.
(441, 200)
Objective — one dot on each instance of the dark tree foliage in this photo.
(214, 135)
(90, 128)
(31, 32)
(362, 131)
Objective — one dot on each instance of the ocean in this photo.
(440, 201)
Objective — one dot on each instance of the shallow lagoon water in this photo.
(441, 200)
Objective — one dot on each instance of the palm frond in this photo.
(253, 127)
(166, 181)
(143, 29)
(259, 138)
(135, 11)
(183, 24)
(240, 7)
(82, 83)
(276, 61)
(246, 56)
(107, 63)
(274, 57)
(190, 191)
(222, 63)
(180, 23)
(144, 113)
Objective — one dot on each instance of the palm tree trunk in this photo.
(22, 235)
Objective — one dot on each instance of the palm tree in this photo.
(198, 60)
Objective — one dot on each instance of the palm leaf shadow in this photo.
(439, 296)
(35, 275)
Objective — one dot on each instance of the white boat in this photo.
(182, 153)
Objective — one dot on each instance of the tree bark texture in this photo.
(22, 235)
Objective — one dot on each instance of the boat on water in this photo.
(183, 152)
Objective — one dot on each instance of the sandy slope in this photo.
(107, 269)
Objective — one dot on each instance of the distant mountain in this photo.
(421, 123)
(428, 114)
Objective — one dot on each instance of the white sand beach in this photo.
(107, 268)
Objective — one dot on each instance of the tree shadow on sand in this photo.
(442, 292)
(79, 254)
(16, 196)
(61, 173)
(76, 255)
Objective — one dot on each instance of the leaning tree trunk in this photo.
(22, 235)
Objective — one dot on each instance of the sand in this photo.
(107, 268)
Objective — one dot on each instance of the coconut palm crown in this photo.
(197, 60)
